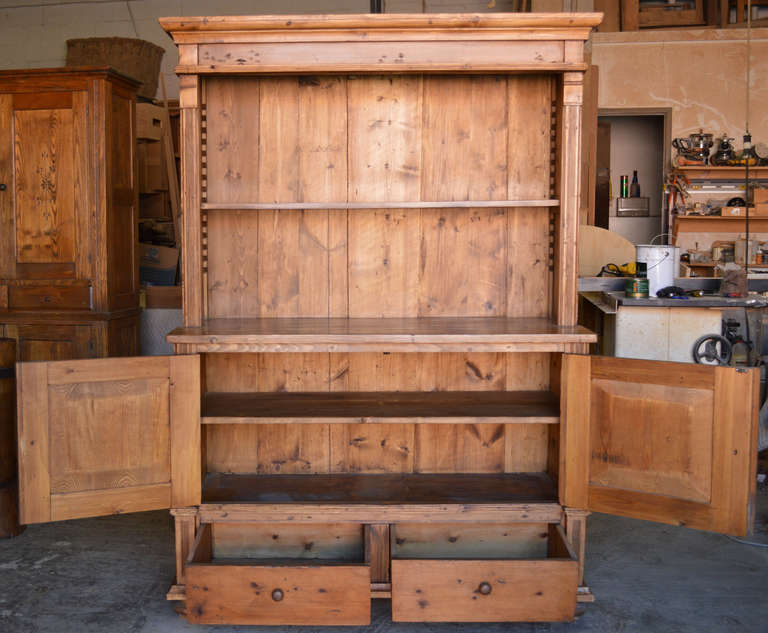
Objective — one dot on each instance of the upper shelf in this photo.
(458, 204)
(441, 334)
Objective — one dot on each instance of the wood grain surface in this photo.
(452, 590)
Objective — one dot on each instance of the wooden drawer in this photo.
(261, 591)
(49, 297)
(464, 590)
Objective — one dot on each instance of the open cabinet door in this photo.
(108, 436)
(668, 442)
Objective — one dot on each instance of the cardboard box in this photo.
(151, 168)
(759, 195)
(760, 209)
(149, 122)
(156, 231)
(155, 205)
(733, 211)
(158, 264)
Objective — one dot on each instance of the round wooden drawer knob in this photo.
(485, 588)
(277, 595)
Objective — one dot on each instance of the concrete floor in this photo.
(110, 575)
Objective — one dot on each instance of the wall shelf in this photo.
(719, 223)
(721, 173)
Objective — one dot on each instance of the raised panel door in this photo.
(108, 436)
(662, 441)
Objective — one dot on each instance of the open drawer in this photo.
(530, 574)
(277, 574)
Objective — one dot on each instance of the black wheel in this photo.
(712, 349)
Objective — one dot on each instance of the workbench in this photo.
(660, 329)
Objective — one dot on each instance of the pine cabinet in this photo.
(380, 389)
(68, 266)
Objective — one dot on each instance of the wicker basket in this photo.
(136, 58)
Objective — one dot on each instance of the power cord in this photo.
(743, 542)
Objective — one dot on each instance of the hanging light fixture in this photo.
(747, 153)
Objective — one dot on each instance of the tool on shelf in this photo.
(725, 152)
(693, 150)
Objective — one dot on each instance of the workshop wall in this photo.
(699, 74)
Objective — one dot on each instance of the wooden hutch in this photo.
(380, 390)
(68, 210)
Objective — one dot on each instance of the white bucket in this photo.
(660, 262)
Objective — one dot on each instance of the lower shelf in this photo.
(436, 407)
(389, 489)
(387, 498)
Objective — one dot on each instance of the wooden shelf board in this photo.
(370, 334)
(720, 218)
(707, 172)
(162, 297)
(461, 204)
(401, 489)
(436, 407)
(719, 223)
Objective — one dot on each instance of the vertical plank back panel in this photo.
(468, 448)
(385, 138)
(383, 271)
(462, 258)
(232, 174)
(232, 164)
(322, 138)
(464, 141)
(274, 449)
(278, 122)
(529, 155)
(529, 122)
(292, 264)
(372, 448)
(434, 138)
(408, 138)
(233, 285)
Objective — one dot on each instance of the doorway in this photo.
(628, 141)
